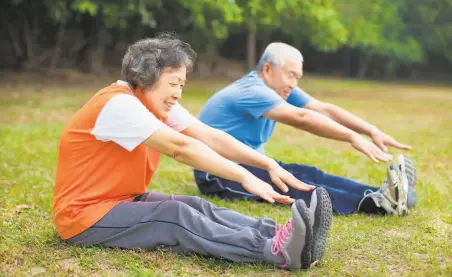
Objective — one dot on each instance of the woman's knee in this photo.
(173, 204)
(200, 203)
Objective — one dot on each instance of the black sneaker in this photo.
(322, 212)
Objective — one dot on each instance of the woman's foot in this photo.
(292, 242)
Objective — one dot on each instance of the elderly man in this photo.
(249, 108)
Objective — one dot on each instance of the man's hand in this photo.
(282, 178)
(382, 140)
(370, 149)
(265, 191)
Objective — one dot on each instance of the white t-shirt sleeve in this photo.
(180, 119)
(125, 121)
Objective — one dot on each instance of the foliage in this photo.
(377, 28)
(397, 31)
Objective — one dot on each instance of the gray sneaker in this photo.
(404, 164)
(322, 212)
(294, 239)
(392, 195)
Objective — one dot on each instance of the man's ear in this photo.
(267, 69)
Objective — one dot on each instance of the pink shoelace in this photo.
(282, 233)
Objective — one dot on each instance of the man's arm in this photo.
(232, 149)
(320, 125)
(341, 116)
(355, 123)
(196, 154)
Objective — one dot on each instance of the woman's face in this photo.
(166, 91)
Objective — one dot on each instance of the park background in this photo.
(387, 61)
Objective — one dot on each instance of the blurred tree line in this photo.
(379, 38)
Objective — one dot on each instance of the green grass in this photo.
(32, 117)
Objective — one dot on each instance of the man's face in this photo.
(283, 79)
(166, 91)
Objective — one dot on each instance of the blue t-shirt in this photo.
(238, 109)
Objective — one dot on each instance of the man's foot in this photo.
(392, 195)
(395, 189)
(294, 239)
(322, 213)
(404, 164)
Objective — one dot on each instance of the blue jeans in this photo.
(345, 194)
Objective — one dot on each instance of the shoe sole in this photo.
(306, 254)
(322, 223)
(411, 175)
(410, 170)
(402, 208)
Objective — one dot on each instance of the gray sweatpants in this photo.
(185, 224)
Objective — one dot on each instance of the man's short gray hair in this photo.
(278, 53)
(146, 59)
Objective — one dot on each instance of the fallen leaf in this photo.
(70, 264)
(18, 208)
(36, 271)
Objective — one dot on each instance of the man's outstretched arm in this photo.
(355, 123)
(318, 124)
(234, 150)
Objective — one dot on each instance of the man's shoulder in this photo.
(247, 83)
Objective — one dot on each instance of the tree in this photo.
(377, 28)
(430, 23)
(210, 21)
(315, 20)
(102, 16)
(25, 21)
(59, 14)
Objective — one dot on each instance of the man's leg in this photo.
(173, 223)
(209, 184)
(223, 216)
(345, 194)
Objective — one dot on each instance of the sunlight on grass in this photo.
(32, 118)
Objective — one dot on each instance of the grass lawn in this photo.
(33, 115)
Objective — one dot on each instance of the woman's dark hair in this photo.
(146, 59)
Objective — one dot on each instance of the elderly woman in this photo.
(111, 147)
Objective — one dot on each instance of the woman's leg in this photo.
(177, 225)
(223, 216)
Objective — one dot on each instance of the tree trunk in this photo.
(138, 32)
(15, 41)
(23, 35)
(265, 41)
(115, 39)
(347, 61)
(94, 52)
(37, 60)
(57, 49)
(212, 53)
(28, 39)
(391, 67)
(251, 44)
(35, 23)
(98, 53)
(363, 65)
